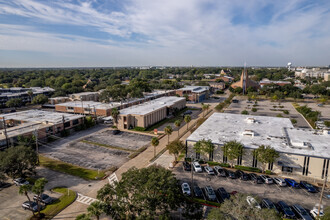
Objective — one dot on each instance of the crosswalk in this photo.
(112, 179)
(85, 199)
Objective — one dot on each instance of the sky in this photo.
(95, 33)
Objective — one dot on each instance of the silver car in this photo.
(279, 181)
(186, 189)
(210, 194)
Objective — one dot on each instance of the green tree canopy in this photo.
(18, 161)
(232, 150)
(187, 119)
(147, 193)
(154, 143)
(204, 146)
(266, 154)
(13, 103)
(40, 99)
(168, 131)
(115, 114)
(175, 148)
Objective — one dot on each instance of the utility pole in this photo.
(321, 197)
(192, 174)
(63, 122)
(5, 128)
(37, 147)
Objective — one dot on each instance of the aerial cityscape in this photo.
(164, 109)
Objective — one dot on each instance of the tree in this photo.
(40, 99)
(215, 214)
(155, 143)
(38, 188)
(175, 147)
(204, 146)
(177, 124)
(83, 216)
(18, 161)
(13, 103)
(147, 193)
(205, 107)
(115, 114)
(30, 94)
(168, 131)
(96, 209)
(266, 154)
(236, 207)
(187, 119)
(232, 150)
(24, 190)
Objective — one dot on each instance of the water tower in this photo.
(289, 66)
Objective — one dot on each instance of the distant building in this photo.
(58, 100)
(303, 152)
(22, 93)
(194, 93)
(85, 96)
(245, 82)
(264, 82)
(32, 122)
(327, 76)
(312, 73)
(148, 113)
(215, 86)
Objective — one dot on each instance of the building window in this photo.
(325, 168)
(287, 169)
(239, 160)
(211, 156)
(306, 166)
(254, 161)
(67, 124)
(224, 159)
(198, 155)
(75, 122)
(270, 166)
(70, 108)
(125, 118)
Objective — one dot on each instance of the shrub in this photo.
(139, 129)
(286, 112)
(224, 165)
(244, 112)
(268, 172)
(279, 115)
(327, 123)
(220, 92)
(274, 106)
(251, 169)
(255, 105)
(281, 106)
(254, 109)
(293, 121)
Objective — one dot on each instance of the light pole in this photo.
(321, 197)
(192, 173)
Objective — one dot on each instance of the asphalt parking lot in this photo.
(273, 192)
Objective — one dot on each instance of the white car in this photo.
(253, 202)
(315, 210)
(279, 181)
(209, 170)
(186, 189)
(197, 167)
(267, 179)
(20, 182)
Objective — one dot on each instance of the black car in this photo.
(220, 171)
(286, 210)
(266, 203)
(44, 198)
(239, 173)
(231, 175)
(188, 112)
(115, 132)
(198, 192)
(234, 101)
(243, 176)
(256, 179)
(222, 193)
(301, 212)
(186, 166)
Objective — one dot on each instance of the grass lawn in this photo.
(108, 146)
(61, 203)
(74, 170)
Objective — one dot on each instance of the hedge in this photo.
(251, 169)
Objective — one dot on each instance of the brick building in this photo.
(194, 93)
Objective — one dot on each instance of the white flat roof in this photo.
(277, 132)
(195, 88)
(38, 116)
(90, 104)
(150, 106)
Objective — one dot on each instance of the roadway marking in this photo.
(85, 199)
(112, 179)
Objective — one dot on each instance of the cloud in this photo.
(185, 32)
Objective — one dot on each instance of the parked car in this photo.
(186, 166)
(30, 205)
(197, 167)
(115, 132)
(223, 193)
(186, 189)
(253, 202)
(267, 179)
(210, 194)
(220, 171)
(315, 211)
(245, 177)
(44, 198)
(234, 101)
(256, 179)
(231, 175)
(266, 203)
(301, 212)
(209, 170)
(20, 182)
(279, 181)
(188, 112)
(286, 210)
(291, 182)
(198, 192)
(310, 188)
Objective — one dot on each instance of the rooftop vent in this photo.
(250, 120)
(248, 133)
(326, 132)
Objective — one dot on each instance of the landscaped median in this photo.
(51, 210)
(74, 170)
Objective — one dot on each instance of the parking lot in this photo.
(267, 108)
(273, 192)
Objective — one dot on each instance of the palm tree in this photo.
(30, 93)
(177, 124)
(24, 190)
(168, 130)
(95, 209)
(232, 150)
(39, 188)
(205, 107)
(187, 119)
(115, 113)
(154, 142)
